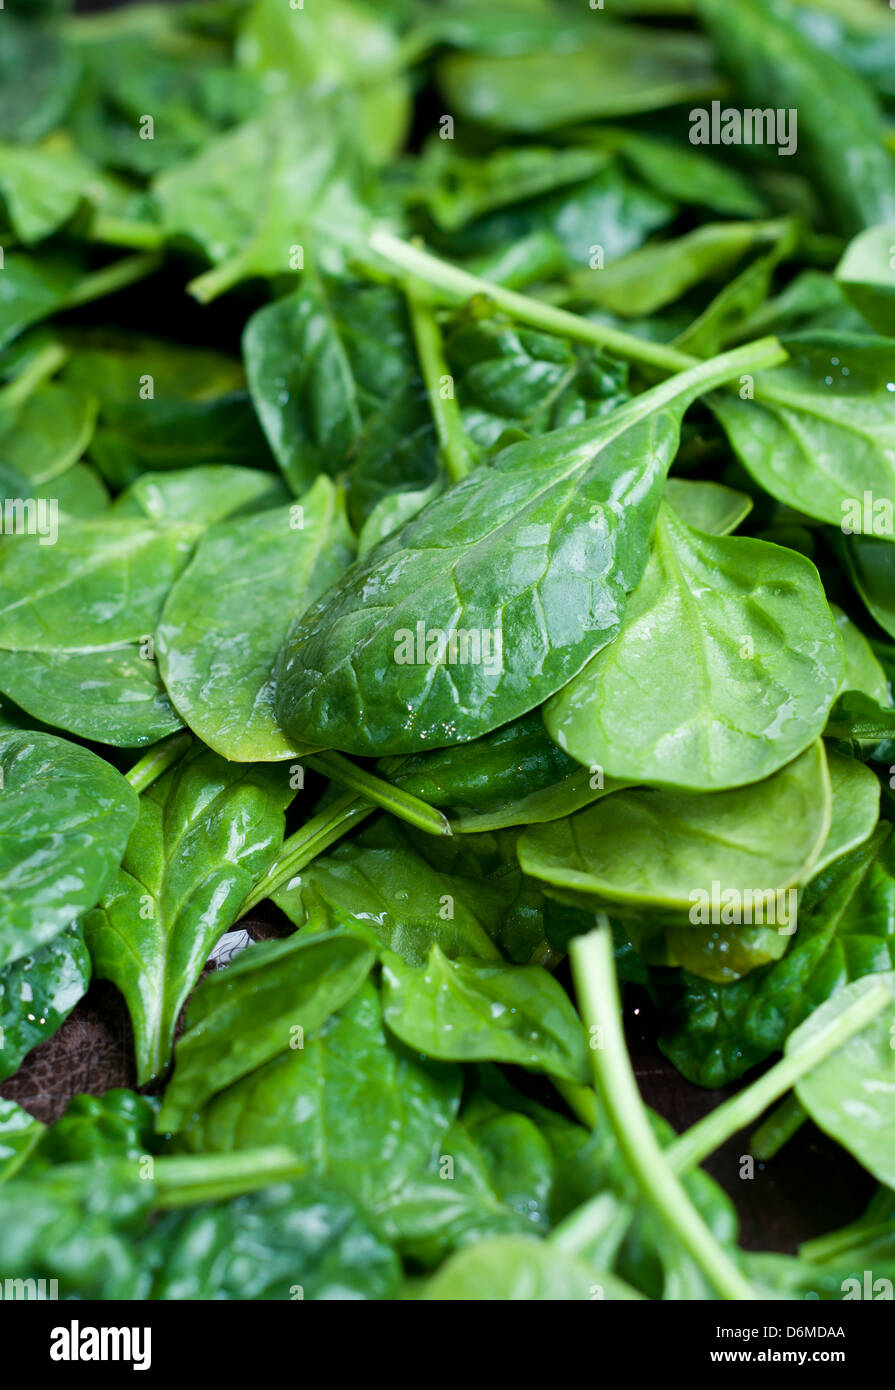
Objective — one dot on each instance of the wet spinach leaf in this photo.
(465, 1010)
(355, 1107)
(522, 1269)
(576, 517)
(712, 610)
(76, 624)
(819, 433)
(37, 993)
(19, 1133)
(716, 1032)
(649, 849)
(245, 204)
(303, 1240)
(205, 493)
(319, 363)
(216, 668)
(207, 830)
(65, 816)
(265, 1003)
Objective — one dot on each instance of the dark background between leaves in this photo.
(811, 1187)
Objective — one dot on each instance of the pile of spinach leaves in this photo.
(441, 500)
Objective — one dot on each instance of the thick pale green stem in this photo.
(452, 442)
(716, 1128)
(778, 1129)
(458, 285)
(159, 758)
(398, 803)
(593, 969)
(315, 836)
(581, 1100)
(874, 1224)
(218, 280)
(112, 278)
(184, 1180)
(42, 366)
(120, 231)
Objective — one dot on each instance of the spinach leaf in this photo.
(344, 45)
(522, 1269)
(650, 849)
(681, 174)
(33, 286)
(622, 209)
(855, 808)
(350, 1104)
(729, 952)
(392, 512)
(84, 1233)
(867, 275)
(658, 274)
(840, 126)
(65, 816)
(319, 363)
(519, 917)
(863, 671)
(727, 315)
(88, 1224)
(395, 452)
(456, 188)
(509, 378)
(380, 886)
(246, 201)
(80, 492)
(95, 1129)
(49, 433)
(191, 95)
(207, 830)
(871, 567)
(43, 187)
(112, 696)
(38, 77)
(266, 1002)
(38, 992)
(217, 668)
(850, 1093)
(102, 582)
(623, 71)
(205, 493)
(514, 776)
(305, 1240)
(707, 506)
(711, 610)
(819, 434)
(716, 1032)
(547, 513)
(465, 1010)
(494, 1176)
(76, 620)
(19, 1133)
(507, 26)
(813, 300)
(163, 406)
